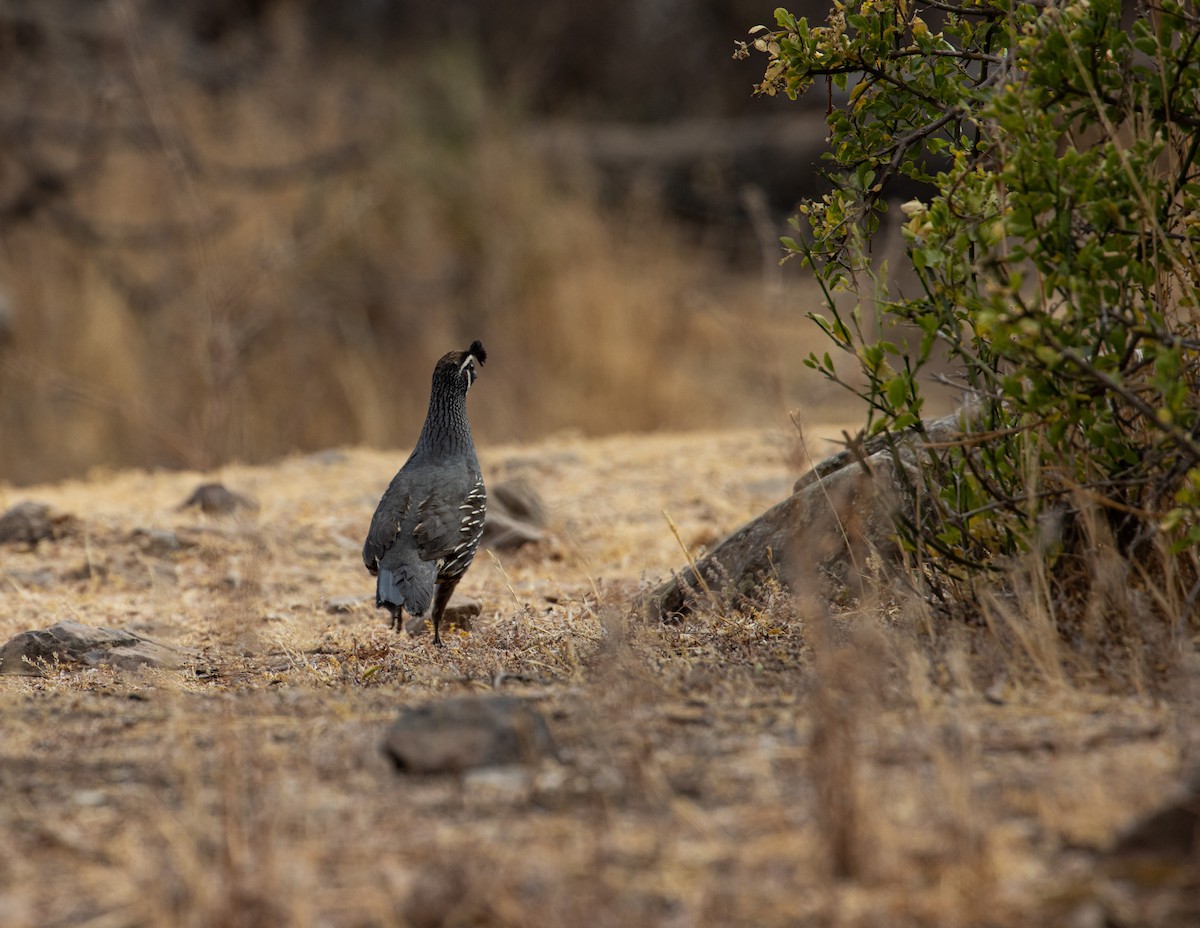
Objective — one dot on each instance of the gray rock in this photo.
(515, 516)
(1170, 832)
(504, 533)
(29, 522)
(42, 577)
(337, 605)
(160, 542)
(467, 732)
(838, 520)
(1156, 858)
(517, 498)
(217, 499)
(75, 643)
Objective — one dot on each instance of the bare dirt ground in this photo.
(779, 766)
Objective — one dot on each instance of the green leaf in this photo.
(1051, 253)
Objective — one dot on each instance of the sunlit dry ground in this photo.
(748, 769)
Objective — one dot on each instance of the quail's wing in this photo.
(389, 516)
(450, 516)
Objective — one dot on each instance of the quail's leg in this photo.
(441, 599)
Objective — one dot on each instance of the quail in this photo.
(427, 525)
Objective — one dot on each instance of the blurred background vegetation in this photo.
(233, 230)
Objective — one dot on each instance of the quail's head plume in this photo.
(427, 526)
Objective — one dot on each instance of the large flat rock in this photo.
(75, 643)
(835, 530)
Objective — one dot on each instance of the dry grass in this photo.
(780, 766)
(218, 261)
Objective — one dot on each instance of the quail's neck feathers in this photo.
(447, 432)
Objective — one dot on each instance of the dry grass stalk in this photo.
(840, 705)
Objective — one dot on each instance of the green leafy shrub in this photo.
(1056, 253)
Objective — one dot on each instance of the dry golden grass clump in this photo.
(785, 763)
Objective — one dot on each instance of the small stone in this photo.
(467, 732)
(40, 578)
(215, 499)
(342, 604)
(29, 523)
(158, 541)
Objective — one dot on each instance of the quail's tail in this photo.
(406, 586)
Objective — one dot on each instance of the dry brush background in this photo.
(232, 232)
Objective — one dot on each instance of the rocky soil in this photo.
(794, 762)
